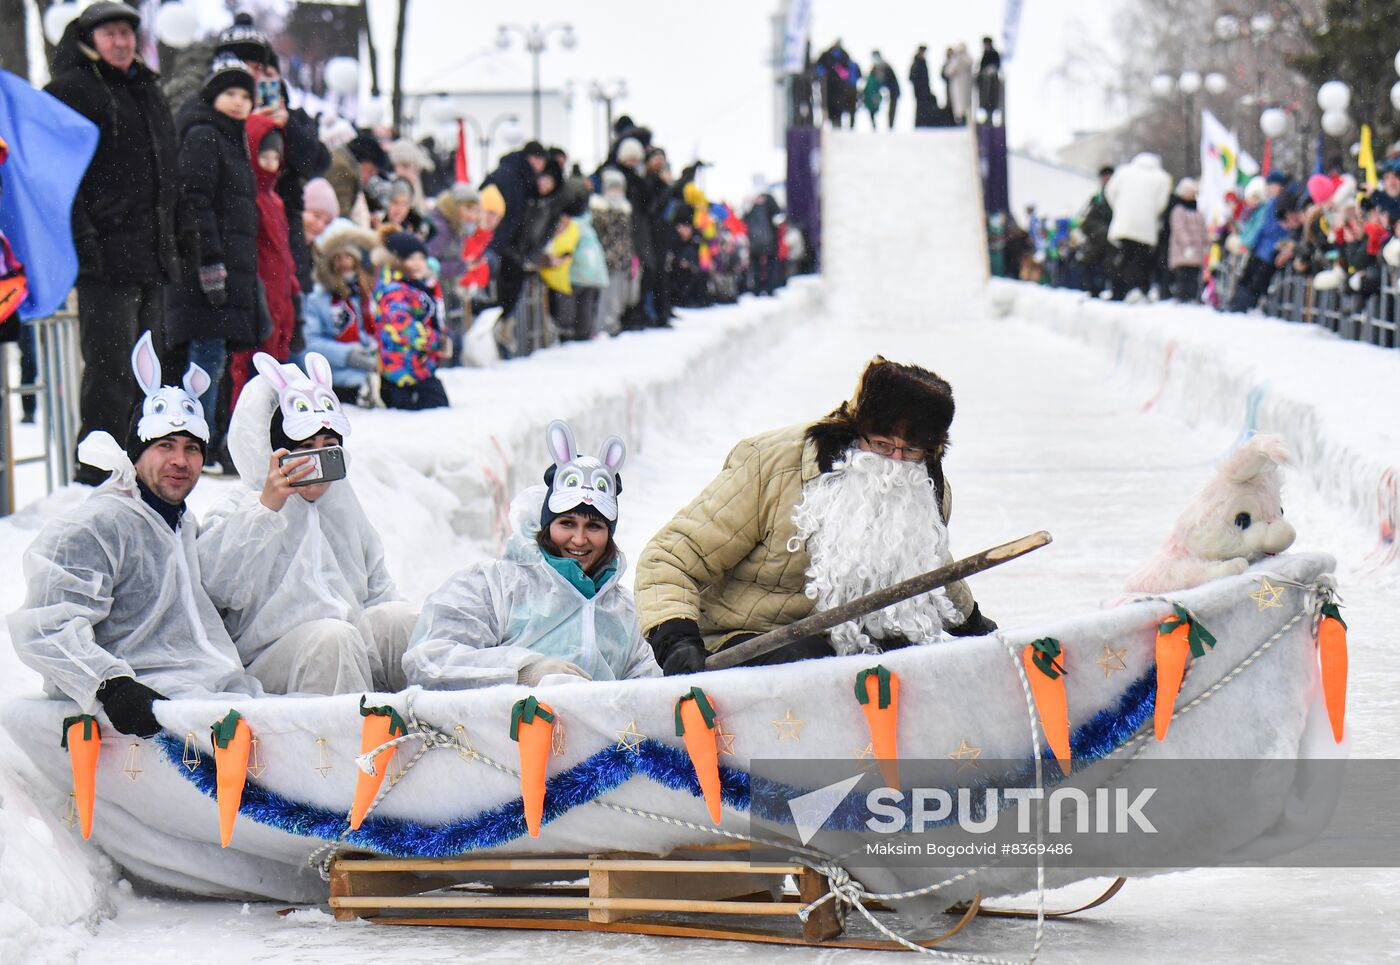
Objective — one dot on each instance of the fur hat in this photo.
(365, 148)
(246, 42)
(892, 399)
(404, 151)
(226, 72)
(630, 151)
(341, 237)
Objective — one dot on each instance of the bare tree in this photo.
(14, 50)
(396, 96)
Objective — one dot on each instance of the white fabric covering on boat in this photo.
(113, 592)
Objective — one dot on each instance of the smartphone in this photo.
(269, 93)
(329, 463)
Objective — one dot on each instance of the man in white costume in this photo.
(298, 570)
(114, 613)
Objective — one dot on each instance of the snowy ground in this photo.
(1050, 433)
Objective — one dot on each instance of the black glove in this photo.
(678, 647)
(128, 702)
(976, 625)
(211, 281)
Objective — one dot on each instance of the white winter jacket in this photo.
(1138, 192)
(487, 620)
(271, 572)
(113, 592)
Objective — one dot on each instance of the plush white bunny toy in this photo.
(576, 480)
(308, 404)
(168, 408)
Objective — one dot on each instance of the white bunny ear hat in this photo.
(307, 399)
(576, 480)
(167, 409)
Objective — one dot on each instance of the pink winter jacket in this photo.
(1189, 239)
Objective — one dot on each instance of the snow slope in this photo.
(890, 205)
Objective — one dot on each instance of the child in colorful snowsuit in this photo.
(411, 337)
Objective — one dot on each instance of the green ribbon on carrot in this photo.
(1047, 652)
(1330, 609)
(526, 710)
(1198, 636)
(883, 675)
(702, 703)
(397, 728)
(223, 730)
(88, 721)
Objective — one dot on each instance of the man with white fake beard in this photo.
(809, 517)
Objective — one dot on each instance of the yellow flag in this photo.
(1367, 158)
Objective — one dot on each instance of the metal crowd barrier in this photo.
(1291, 296)
(59, 363)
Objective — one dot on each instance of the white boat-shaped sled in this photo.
(620, 778)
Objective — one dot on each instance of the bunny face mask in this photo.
(167, 409)
(309, 404)
(576, 480)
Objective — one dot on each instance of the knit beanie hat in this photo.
(318, 196)
(246, 42)
(403, 245)
(581, 483)
(227, 71)
(272, 141)
(492, 200)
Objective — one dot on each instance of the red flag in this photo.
(462, 152)
(1268, 156)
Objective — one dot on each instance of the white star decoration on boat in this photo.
(1267, 595)
(631, 738)
(789, 728)
(1112, 660)
(966, 755)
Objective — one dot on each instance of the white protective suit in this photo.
(304, 591)
(489, 620)
(113, 592)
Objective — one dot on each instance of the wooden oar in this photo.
(932, 580)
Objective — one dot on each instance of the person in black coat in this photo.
(216, 309)
(124, 213)
(515, 178)
(925, 103)
(763, 244)
(891, 88)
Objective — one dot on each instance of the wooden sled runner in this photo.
(700, 895)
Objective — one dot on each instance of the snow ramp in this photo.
(903, 230)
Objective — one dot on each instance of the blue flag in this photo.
(50, 147)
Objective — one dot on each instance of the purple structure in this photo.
(804, 152)
(991, 152)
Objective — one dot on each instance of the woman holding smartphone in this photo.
(553, 608)
(289, 558)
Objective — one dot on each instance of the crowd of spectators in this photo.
(845, 90)
(226, 222)
(1141, 238)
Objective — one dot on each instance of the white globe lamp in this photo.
(342, 75)
(1334, 96)
(1335, 123)
(57, 18)
(1273, 122)
(176, 25)
(1162, 85)
(1189, 82)
(1216, 83)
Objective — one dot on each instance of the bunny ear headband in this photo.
(168, 409)
(308, 404)
(576, 480)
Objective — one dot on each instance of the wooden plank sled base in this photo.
(698, 895)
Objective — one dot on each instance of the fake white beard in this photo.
(868, 524)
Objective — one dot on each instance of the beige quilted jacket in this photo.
(724, 561)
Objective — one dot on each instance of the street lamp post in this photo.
(1188, 83)
(607, 92)
(536, 38)
(486, 136)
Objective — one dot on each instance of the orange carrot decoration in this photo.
(381, 725)
(1176, 636)
(1045, 670)
(877, 690)
(84, 743)
(1332, 650)
(532, 727)
(232, 741)
(695, 721)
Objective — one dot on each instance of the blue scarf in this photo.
(572, 570)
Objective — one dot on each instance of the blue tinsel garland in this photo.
(604, 771)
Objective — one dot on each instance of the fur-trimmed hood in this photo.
(340, 237)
